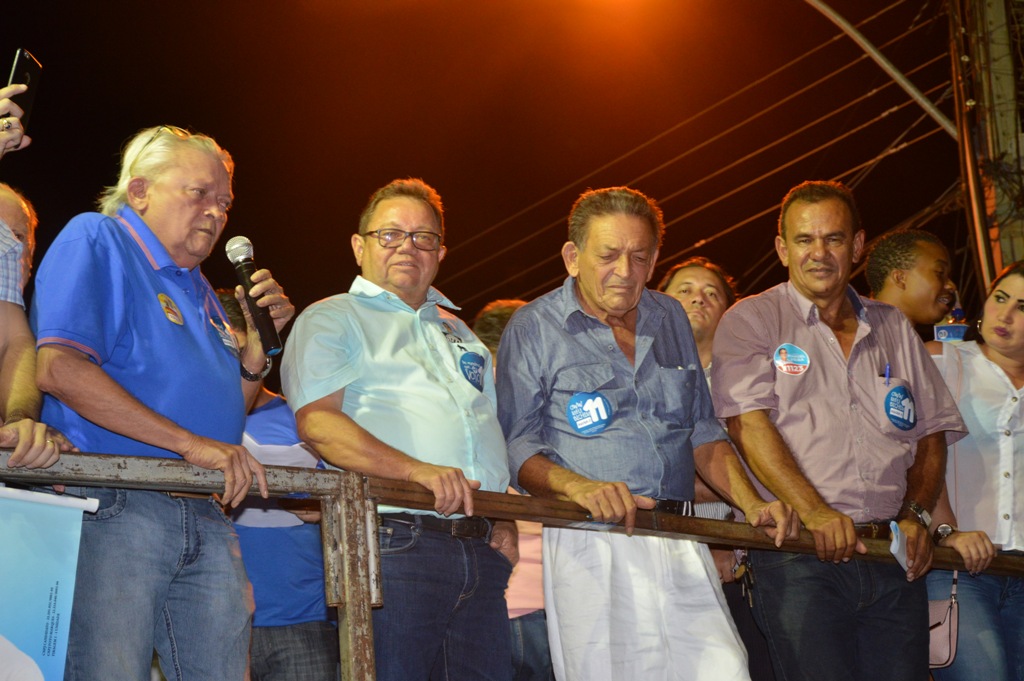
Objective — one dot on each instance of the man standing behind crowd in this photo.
(910, 270)
(137, 358)
(851, 429)
(603, 402)
(385, 382)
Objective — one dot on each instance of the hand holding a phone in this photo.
(12, 134)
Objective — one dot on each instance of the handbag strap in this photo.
(952, 594)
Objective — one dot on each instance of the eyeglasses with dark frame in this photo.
(394, 238)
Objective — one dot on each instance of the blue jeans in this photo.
(295, 652)
(158, 572)
(444, 614)
(856, 621)
(531, 654)
(990, 633)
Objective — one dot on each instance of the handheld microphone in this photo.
(239, 250)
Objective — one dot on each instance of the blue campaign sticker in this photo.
(899, 407)
(588, 413)
(790, 359)
(472, 366)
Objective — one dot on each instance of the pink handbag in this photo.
(942, 628)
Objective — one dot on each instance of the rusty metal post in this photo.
(349, 547)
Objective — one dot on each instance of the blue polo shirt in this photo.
(283, 555)
(108, 288)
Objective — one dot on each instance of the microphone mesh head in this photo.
(238, 248)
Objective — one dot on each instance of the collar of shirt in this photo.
(649, 312)
(809, 311)
(364, 288)
(151, 247)
(8, 240)
(159, 259)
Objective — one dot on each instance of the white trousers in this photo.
(627, 608)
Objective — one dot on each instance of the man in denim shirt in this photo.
(603, 402)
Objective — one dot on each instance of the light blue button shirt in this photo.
(568, 392)
(418, 380)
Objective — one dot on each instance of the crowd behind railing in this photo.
(808, 407)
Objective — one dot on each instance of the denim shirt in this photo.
(555, 361)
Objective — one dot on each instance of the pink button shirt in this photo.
(851, 424)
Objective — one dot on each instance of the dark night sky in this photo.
(510, 109)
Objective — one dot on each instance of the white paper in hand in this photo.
(898, 548)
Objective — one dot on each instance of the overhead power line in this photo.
(750, 119)
(547, 285)
(575, 184)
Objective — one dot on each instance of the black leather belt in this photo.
(876, 529)
(466, 528)
(684, 508)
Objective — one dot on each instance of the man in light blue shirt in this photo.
(385, 382)
(603, 402)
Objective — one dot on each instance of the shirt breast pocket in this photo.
(587, 397)
(896, 409)
(678, 388)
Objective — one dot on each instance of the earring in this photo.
(977, 325)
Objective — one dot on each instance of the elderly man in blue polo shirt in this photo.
(137, 358)
(387, 383)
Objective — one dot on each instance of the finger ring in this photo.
(6, 124)
(50, 442)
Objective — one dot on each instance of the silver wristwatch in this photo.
(923, 516)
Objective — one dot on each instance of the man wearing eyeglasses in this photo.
(386, 382)
(136, 358)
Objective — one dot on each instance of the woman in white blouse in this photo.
(982, 493)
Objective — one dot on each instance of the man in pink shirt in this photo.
(835, 405)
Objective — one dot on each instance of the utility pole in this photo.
(985, 47)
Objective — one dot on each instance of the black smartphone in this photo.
(26, 70)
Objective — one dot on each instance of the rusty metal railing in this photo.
(349, 526)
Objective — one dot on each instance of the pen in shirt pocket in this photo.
(887, 374)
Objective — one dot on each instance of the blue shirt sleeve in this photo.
(521, 395)
(79, 291)
(322, 356)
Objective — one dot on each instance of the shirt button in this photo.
(610, 347)
(1013, 399)
(1006, 474)
(1006, 516)
(468, 412)
(1006, 433)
